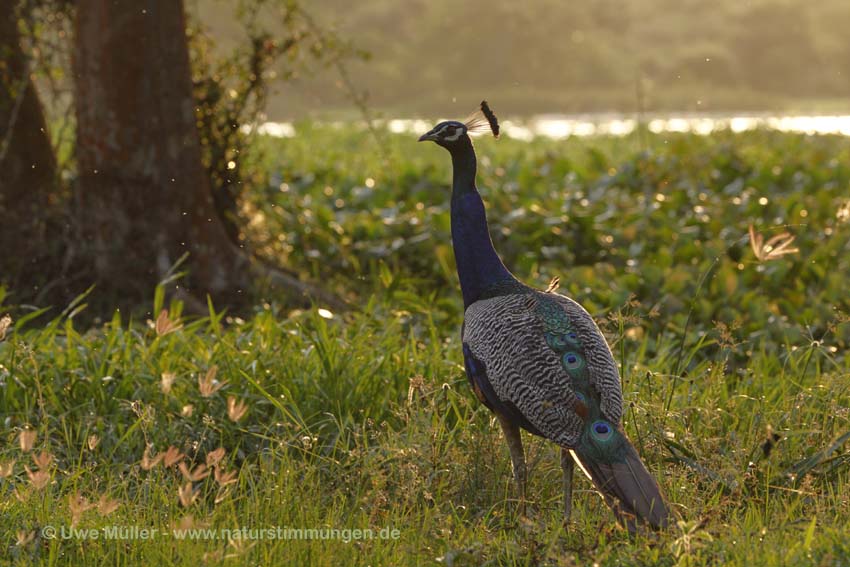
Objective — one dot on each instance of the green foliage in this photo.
(365, 419)
(668, 226)
(367, 422)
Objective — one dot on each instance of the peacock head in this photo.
(451, 133)
(446, 133)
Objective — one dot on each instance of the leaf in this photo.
(805, 466)
(810, 534)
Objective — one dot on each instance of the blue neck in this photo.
(478, 265)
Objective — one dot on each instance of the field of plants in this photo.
(229, 436)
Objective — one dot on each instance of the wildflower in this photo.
(224, 478)
(172, 456)
(148, 461)
(6, 469)
(39, 479)
(167, 380)
(215, 457)
(187, 410)
(236, 410)
(27, 439)
(198, 473)
(187, 495)
(93, 441)
(164, 325)
(221, 495)
(775, 247)
(5, 323)
(78, 505)
(207, 384)
(23, 538)
(42, 460)
(106, 505)
(417, 384)
(187, 522)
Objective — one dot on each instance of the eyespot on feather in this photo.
(557, 342)
(601, 430)
(572, 361)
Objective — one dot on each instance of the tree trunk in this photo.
(143, 199)
(27, 164)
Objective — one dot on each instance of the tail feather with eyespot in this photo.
(627, 487)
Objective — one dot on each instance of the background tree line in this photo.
(552, 56)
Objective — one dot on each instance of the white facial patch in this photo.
(458, 132)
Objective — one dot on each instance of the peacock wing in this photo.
(568, 326)
(506, 353)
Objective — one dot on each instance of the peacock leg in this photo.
(512, 436)
(567, 467)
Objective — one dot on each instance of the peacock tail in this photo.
(544, 353)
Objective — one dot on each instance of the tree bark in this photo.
(143, 199)
(27, 164)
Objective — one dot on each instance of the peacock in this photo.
(536, 358)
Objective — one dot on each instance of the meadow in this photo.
(733, 361)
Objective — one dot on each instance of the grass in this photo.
(733, 369)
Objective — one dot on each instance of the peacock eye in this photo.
(572, 335)
(602, 431)
(572, 361)
(556, 341)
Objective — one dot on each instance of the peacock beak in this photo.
(429, 136)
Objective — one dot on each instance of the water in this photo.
(558, 127)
